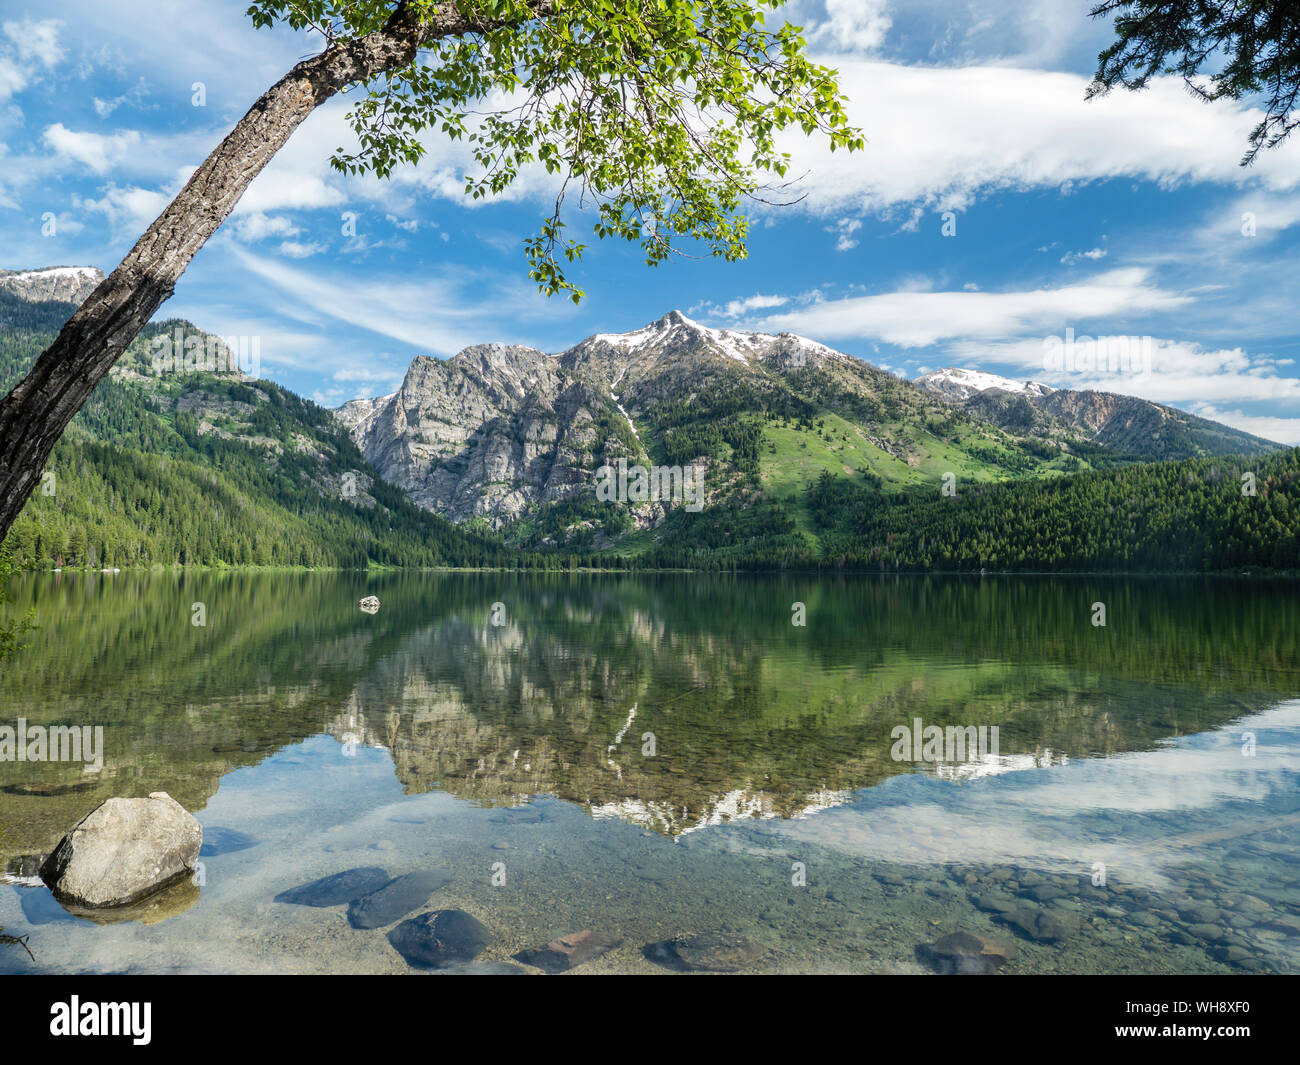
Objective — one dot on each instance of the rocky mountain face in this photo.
(1133, 427)
(64, 284)
(497, 432)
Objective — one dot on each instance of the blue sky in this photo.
(1123, 216)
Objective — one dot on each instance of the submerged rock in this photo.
(962, 953)
(396, 898)
(996, 902)
(370, 604)
(568, 952)
(123, 851)
(440, 939)
(1044, 926)
(711, 952)
(337, 889)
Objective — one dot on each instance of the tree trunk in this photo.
(35, 413)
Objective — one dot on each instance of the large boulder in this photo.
(123, 851)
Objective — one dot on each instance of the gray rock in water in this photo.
(1043, 925)
(1210, 933)
(962, 953)
(396, 899)
(1199, 913)
(440, 939)
(123, 851)
(710, 952)
(568, 952)
(337, 889)
(996, 902)
(370, 604)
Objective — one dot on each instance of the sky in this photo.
(993, 215)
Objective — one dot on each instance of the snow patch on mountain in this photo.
(957, 383)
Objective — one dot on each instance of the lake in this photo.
(822, 774)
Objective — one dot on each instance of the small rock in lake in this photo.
(396, 899)
(337, 889)
(439, 939)
(1199, 913)
(1042, 925)
(568, 952)
(370, 604)
(517, 815)
(123, 851)
(1209, 933)
(962, 953)
(218, 841)
(716, 952)
(994, 902)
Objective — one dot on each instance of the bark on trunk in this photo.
(34, 415)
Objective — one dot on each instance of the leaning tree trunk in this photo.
(35, 413)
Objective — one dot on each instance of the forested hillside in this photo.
(1198, 515)
(209, 468)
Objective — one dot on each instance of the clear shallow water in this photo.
(427, 737)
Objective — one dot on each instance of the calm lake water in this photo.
(651, 757)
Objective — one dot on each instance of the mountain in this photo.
(514, 438)
(1127, 425)
(196, 462)
(495, 457)
(63, 284)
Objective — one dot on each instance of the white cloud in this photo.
(133, 97)
(31, 45)
(919, 318)
(852, 26)
(97, 152)
(435, 314)
(738, 308)
(127, 208)
(845, 228)
(256, 226)
(1072, 257)
(945, 135)
(35, 40)
(295, 249)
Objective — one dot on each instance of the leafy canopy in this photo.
(662, 115)
(1252, 48)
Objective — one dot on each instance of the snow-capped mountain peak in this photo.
(956, 383)
(675, 327)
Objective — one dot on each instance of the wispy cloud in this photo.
(918, 319)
